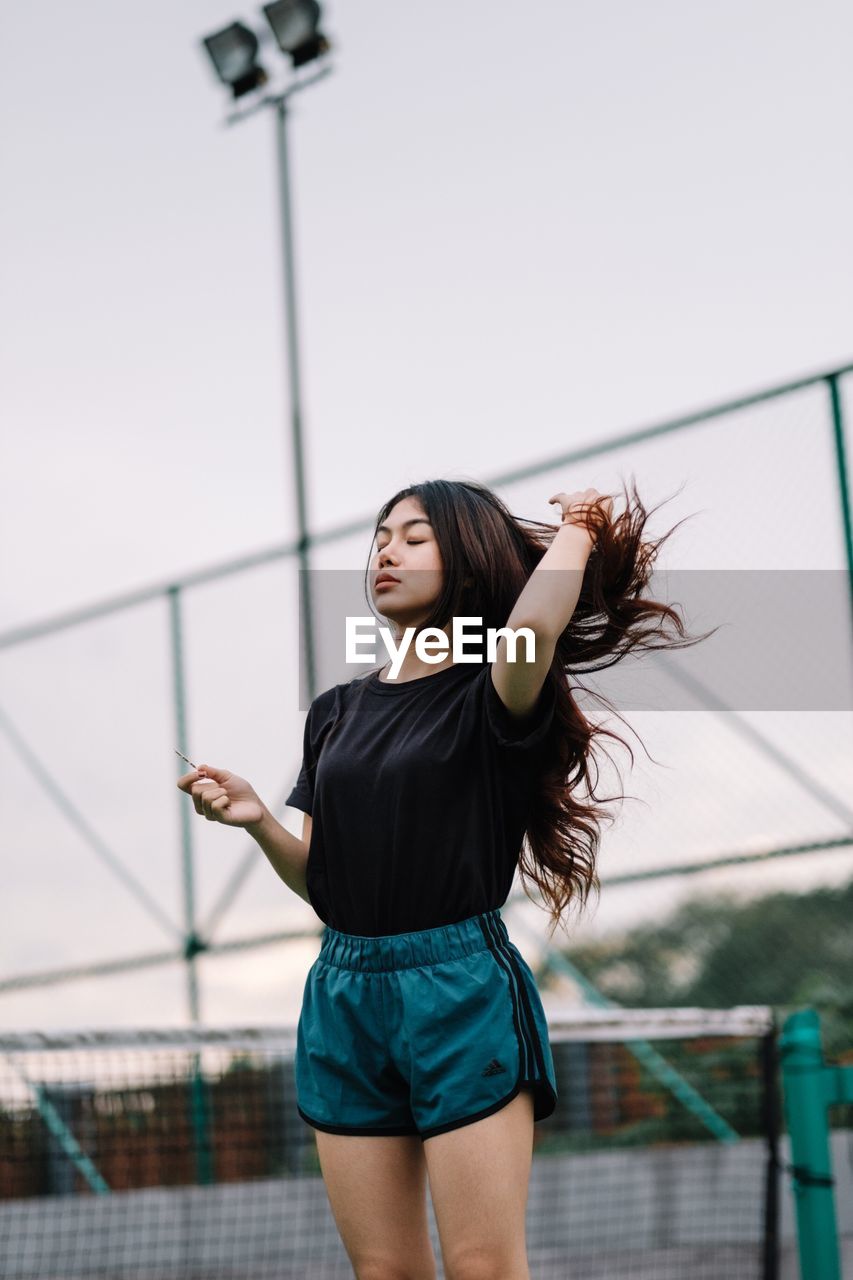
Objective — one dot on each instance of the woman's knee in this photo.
(395, 1269)
(487, 1262)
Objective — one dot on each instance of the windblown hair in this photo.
(488, 554)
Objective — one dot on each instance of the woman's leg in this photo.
(478, 1177)
(377, 1191)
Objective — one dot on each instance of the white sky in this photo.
(518, 232)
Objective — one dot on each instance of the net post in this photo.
(770, 1125)
(200, 1123)
(803, 1075)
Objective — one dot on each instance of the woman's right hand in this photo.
(221, 796)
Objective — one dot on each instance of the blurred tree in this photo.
(784, 949)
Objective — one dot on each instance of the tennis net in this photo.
(178, 1154)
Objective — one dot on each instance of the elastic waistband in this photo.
(411, 950)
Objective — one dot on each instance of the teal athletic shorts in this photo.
(420, 1032)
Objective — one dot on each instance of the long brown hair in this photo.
(488, 554)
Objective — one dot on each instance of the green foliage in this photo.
(785, 950)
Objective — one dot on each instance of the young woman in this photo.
(422, 1045)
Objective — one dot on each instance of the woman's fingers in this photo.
(224, 798)
(582, 501)
(218, 806)
(207, 798)
(202, 792)
(210, 800)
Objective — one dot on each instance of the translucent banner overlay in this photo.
(784, 640)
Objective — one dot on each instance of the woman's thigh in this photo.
(479, 1176)
(377, 1192)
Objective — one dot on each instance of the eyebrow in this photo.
(383, 528)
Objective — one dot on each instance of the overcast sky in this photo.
(518, 231)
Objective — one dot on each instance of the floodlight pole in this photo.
(295, 395)
(280, 102)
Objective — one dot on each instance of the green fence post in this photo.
(811, 1162)
(201, 1125)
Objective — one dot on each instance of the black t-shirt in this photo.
(420, 798)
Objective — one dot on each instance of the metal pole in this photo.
(191, 942)
(841, 460)
(805, 1111)
(295, 397)
(769, 1121)
(199, 1114)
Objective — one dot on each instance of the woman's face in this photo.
(407, 549)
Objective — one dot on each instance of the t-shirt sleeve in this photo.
(508, 730)
(317, 722)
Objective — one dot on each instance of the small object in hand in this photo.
(183, 757)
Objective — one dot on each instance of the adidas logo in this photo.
(494, 1068)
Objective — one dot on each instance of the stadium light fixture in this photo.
(296, 26)
(234, 54)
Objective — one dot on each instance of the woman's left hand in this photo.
(575, 505)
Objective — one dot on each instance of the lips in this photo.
(384, 577)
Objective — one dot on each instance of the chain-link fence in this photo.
(727, 875)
